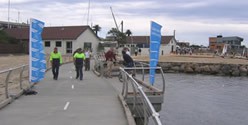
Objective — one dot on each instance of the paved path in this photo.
(67, 101)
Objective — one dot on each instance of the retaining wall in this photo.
(205, 68)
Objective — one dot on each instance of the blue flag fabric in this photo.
(155, 39)
(37, 57)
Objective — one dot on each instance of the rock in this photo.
(214, 69)
(236, 73)
(243, 70)
(198, 69)
(206, 69)
(188, 69)
(182, 67)
(175, 68)
(225, 69)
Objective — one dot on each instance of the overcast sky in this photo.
(194, 21)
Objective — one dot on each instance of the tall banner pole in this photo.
(37, 57)
(155, 40)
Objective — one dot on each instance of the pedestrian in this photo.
(139, 51)
(127, 60)
(128, 52)
(56, 61)
(136, 52)
(110, 58)
(77, 50)
(87, 60)
(79, 58)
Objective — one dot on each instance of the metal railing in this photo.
(9, 78)
(144, 67)
(142, 106)
(16, 79)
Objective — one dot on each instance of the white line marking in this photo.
(66, 105)
(72, 86)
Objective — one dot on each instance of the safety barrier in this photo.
(137, 96)
(12, 82)
(142, 108)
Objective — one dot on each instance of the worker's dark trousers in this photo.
(87, 64)
(55, 70)
(79, 69)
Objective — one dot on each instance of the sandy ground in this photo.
(10, 61)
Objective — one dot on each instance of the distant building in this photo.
(168, 44)
(217, 43)
(183, 44)
(5, 25)
(66, 38)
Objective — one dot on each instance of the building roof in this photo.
(146, 39)
(50, 33)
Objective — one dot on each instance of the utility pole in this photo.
(122, 26)
(8, 13)
(88, 13)
(18, 17)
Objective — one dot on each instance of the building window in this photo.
(87, 45)
(68, 46)
(58, 44)
(47, 44)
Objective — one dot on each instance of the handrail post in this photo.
(126, 87)
(22, 70)
(162, 73)
(101, 68)
(143, 72)
(6, 84)
(145, 115)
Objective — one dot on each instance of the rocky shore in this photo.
(201, 65)
(205, 68)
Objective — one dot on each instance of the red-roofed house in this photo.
(168, 44)
(66, 38)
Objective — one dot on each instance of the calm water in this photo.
(205, 100)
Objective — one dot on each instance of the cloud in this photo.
(193, 20)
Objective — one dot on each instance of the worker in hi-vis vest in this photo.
(56, 60)
(79, 58)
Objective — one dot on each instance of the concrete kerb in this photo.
(6, 102)
(97, 73)
(127, 111)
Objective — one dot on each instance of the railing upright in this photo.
(7, 83)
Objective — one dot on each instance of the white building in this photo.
(168, 44)
(66, 38)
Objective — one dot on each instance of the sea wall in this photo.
(205, 68)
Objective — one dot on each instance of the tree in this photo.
(96, 29)
(117, 35)
(128, 32)
(4, 38)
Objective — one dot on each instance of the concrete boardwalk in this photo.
(67, 101)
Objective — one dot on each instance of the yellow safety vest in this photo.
(56, 56)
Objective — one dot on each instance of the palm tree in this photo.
(128, 32)
(117, 35)
(96, 28)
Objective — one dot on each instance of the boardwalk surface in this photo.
(67, 101)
